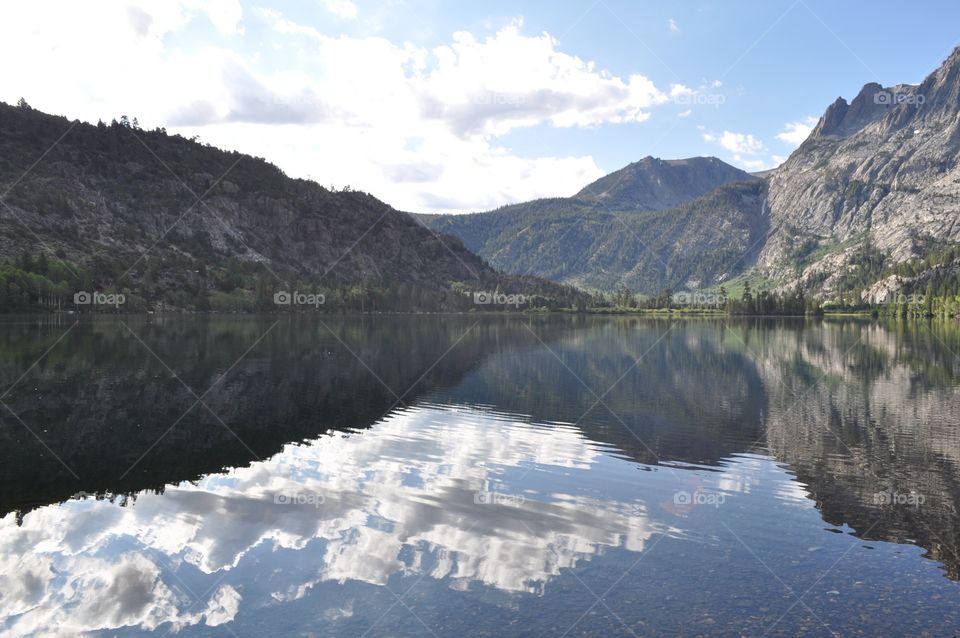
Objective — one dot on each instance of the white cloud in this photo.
(738, 143)
(756, 163)
(288, 27)
(751, 164)
(226, 15)
(674, 27)
(745, 149)
(342, 110)
(685, 113)
(796, 132)
(341, 8)
(510, 80)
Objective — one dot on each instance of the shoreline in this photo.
(601, 312)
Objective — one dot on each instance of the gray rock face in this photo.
(883, 291)
(887, 164)
(880, 174)
(872, 103)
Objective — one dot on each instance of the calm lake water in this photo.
(456, 476)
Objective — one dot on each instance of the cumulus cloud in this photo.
(139, 20)
(738, 143)
(745, 149)
(248, 100)
(796, 132)
(341, 8)
(752, 164)
(287, 27)
(509, 80)
(356, 102)
(417, 172)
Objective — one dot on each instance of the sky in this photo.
(458, 107)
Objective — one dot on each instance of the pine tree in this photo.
(26, 262)
(263, 293)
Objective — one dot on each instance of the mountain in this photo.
(656, 184)
(867, 207)
(635, 227)
(876, 184)
(172, 223)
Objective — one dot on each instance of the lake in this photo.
(478, 476)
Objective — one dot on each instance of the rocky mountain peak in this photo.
(941, 89)
(656, 184)
(884, 167)
(898, 107)
(872, 103)
(831, 119)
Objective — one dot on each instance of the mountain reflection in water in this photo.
(681, 473)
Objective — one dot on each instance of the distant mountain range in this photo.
(874, 187)
(641, 227)
(867, 207)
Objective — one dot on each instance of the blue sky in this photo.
(779, 61)
(454, 106)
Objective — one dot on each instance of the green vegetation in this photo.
(35, 284)
(173, 224)
(937, 258)
(734, 288)
(746, 302)
(866, 266)
(591, 246)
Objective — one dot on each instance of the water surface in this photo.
(409, 476)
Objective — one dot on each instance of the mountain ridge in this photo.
(172, 223)
(873, 188)
(879, 175)
(857, 211)
(593, 239)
